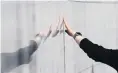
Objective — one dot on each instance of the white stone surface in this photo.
(98, 22)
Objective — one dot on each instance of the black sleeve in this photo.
(99, 53)
(10, 61)
(24, 54)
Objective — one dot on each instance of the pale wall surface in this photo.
(21, 20)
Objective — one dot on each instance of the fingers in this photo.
(68, 30)
(66, 25)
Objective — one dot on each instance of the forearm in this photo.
(25, 53)
(78, 39)
(94, 51)
(99, 53)
(10, 61)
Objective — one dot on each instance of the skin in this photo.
(70, 32)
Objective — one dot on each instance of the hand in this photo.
(68, 30)
(41, 34)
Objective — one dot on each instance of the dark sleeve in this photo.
(99, 53)
(10, 61)
(24, 54)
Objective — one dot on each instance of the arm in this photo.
(24, 54)
(97, 52)
(10, 61)
(94, 51)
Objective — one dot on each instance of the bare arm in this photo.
(95, 51)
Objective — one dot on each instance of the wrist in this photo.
(77, 34)
(38, 39)
(73, 33)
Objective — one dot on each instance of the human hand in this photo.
(68, 30)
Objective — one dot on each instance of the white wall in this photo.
(21, 20)
(8, 14)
